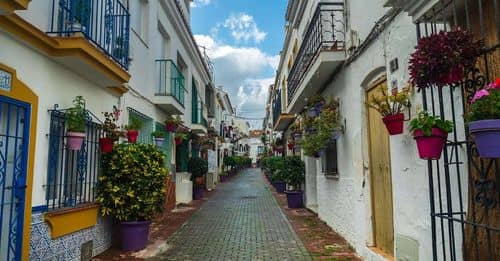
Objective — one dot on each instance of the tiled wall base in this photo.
(42, 247)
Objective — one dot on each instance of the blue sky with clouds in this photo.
(243, 38)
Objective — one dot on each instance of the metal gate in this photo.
(14, 139)
(464, 196)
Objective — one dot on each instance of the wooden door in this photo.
(381, 181)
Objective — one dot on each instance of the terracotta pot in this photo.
(132, 136)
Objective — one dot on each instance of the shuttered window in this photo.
(146, 128)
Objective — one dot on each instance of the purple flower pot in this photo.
(313, 112)
(224, 178)
(295, 199)
(75, 140)
(486, 134)
(280, 186)
(198, 193)
(134, 235)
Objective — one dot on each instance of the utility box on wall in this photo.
(406, 248)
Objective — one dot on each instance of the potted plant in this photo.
(80, 15)
(276, 166)
(133, 127)
(111, 130)
(430, 132)
(172, 123)
(314, 105)
(198, 168)
(294, 177)
(443, 58)
(159, 137)
(391, 108)
(180, 137)
(132, 192)
(327, 126)
(484, 120)
(76, 117)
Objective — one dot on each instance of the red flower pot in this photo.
(430, 147)
(290, 146)
(106, 145)
(178, 141)
(132, 136)
(170, 126)
(394, 123)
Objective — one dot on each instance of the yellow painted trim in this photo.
(10, 6)
(21, 92)
(65, 46)
(71, 220)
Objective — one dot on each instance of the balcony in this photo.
(170, 92)
(281, 120)
(321, 52)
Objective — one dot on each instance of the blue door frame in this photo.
(14, 141)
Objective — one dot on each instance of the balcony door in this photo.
(381, 178)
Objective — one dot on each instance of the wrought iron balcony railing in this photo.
(105, 23)
(170, 80)
(325, 33)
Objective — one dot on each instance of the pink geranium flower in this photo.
(495, 84)
(479, 94)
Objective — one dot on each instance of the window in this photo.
(71, 175)
(146, 128)
(329, 159)
(141, 16)
(165, 42)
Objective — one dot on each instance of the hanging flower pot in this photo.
(486, 135)
(132, 136)
(75, 140)
(159, 141)
(178, 141)
(106, 145)
(484, 117)
(430, 147)
(170, 126)
(291, 146)
(394, 123)
(313, 112)
(336, 134)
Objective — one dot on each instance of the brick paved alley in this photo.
(242, 221)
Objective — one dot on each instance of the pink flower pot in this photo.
(394, 123)
(132, 136)
(75, 140)
(430, 147)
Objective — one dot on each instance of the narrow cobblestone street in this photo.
(242, 221)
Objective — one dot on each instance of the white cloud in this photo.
(240, 70)
(199, 3)
(243, 28)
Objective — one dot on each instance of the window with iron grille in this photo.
(146, 128)
(71, 175)
(329, 159)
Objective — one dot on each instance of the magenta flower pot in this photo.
(394, 123)
(134, 235)
(486, 135)
(75, 140)
(430, 147)
(280, 186)
(295, 199)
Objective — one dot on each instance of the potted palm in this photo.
(132, 192)
(198, 168)
(133, 127)
(159, 137)
(431, 133)
(111, 130)
(76, 117)
(391, 108)
(294, 177)
(484, 120)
